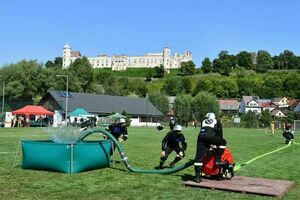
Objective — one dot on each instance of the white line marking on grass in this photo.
(4, 152)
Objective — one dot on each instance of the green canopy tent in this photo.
(116, 116)
(110, 119)
(80, 112)
(77, 115)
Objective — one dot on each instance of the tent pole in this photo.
(17, 152)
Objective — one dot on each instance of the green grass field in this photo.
(143, 150)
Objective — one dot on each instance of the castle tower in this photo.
(66, 56)
(167, 58)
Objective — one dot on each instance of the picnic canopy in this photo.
(116, 115)
(80, 112)
(32, 110)
(110, 119)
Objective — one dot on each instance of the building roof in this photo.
(277, 99)
(32, 110)
(66, 46)
(264, 102)
(277, 113)
(75, 53)
(293, 102)
(226, 104)
(247, 99)
(104, 104)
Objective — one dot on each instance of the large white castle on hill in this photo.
(122, 62)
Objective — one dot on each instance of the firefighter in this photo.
(288, 134)
(211, 133)
(119, 130)
(173, 141)
(172, 123)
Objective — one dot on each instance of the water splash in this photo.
(64, 135)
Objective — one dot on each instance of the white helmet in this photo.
(211, 116)
(122, 120)
(178, 128)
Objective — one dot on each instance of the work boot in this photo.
(172, 164)
(198, 172)
(161, 165)
(198, 178)
(157, 167)
(287, 141)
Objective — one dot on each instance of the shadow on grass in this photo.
(186, 177)
(123, 170)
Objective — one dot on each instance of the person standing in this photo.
(14, 120)
(172, 123)
(288, 134)
(173, 141)
(272, 128)
(20, 121)
(211, 133)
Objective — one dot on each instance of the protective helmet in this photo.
(122, 120)
(178, 128)
(210, 116)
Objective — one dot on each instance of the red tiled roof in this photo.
(264, 104)
(228, 104)
(75, 53)
(292, 102)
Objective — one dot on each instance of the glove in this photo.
(162, 154)
(180, 153)
(125, 137)
(120, 139)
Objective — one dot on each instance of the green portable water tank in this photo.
(66, 158)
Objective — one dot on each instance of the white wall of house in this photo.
(137, 122)
(283, 102)
(256, 110)
(280, 114)
(251, 105)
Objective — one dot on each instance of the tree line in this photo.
(28, 81)
(261, 62)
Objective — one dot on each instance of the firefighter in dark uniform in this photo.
(173, 141)
(288, 134)
(119, 131)
(172, 123)
(211, 133)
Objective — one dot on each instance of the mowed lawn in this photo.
(143, 149)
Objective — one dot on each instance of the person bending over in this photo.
(173, 141)
(211, 133)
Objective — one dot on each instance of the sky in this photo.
(38, 30)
